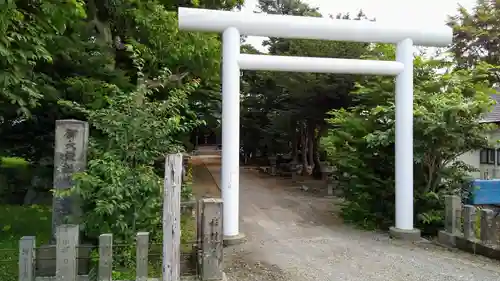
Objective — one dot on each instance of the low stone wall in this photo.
(471, 228)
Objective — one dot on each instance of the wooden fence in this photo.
(471, 228)
(207, 250)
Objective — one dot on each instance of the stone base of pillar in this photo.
(412, 235)
(240, 238)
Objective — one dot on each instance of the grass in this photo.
(188, 236)
(16, 222)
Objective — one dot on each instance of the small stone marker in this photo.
(211, 239)
(452, 206)
(105, 257)
(27, 258)
(326, 172)
(70, 157)
(66, 252)
(141, 263)
(295, 168)
(469, 215)
(272, 160)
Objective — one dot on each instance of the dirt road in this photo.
(293, 235)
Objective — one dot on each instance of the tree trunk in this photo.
(295, 142)
(303, 144)
(310, 142)
(320, 129)
(317, 165)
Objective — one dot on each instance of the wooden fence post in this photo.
(67, 238)
(211, 243)
(142, 256)
(199, 233)
(172, 217)
(105, 257)
(27, 246)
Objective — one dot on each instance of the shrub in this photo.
(15, 178)
(121, 190)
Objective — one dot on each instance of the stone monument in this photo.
(70, 157)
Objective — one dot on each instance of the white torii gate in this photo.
(234, 24)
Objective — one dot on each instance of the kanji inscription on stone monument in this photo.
(70, 157)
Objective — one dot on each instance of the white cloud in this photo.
(425, 13)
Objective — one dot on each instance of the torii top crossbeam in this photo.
(299, 27)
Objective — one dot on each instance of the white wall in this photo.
(472, 158)
(485, 170)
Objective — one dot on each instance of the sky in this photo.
(425, 13)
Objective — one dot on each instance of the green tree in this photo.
(476, 36)
(109, 61)
(360, 144)
(291, 107)
(74, 51)
(26, 30)
(121, 190)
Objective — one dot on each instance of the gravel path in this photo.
(295, 236)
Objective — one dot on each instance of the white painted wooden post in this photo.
(199, 230)
(105, 257)
(27, 246)
(171, 217)
(67, 238)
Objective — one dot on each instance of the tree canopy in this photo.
(124, 67)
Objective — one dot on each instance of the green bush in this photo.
(13, 162)
(121, 190)
(187, 189)
(361, 142)
(15, 178)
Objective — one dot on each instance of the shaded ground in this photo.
(203, 182)
(295, 236)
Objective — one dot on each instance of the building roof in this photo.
(494, 115)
